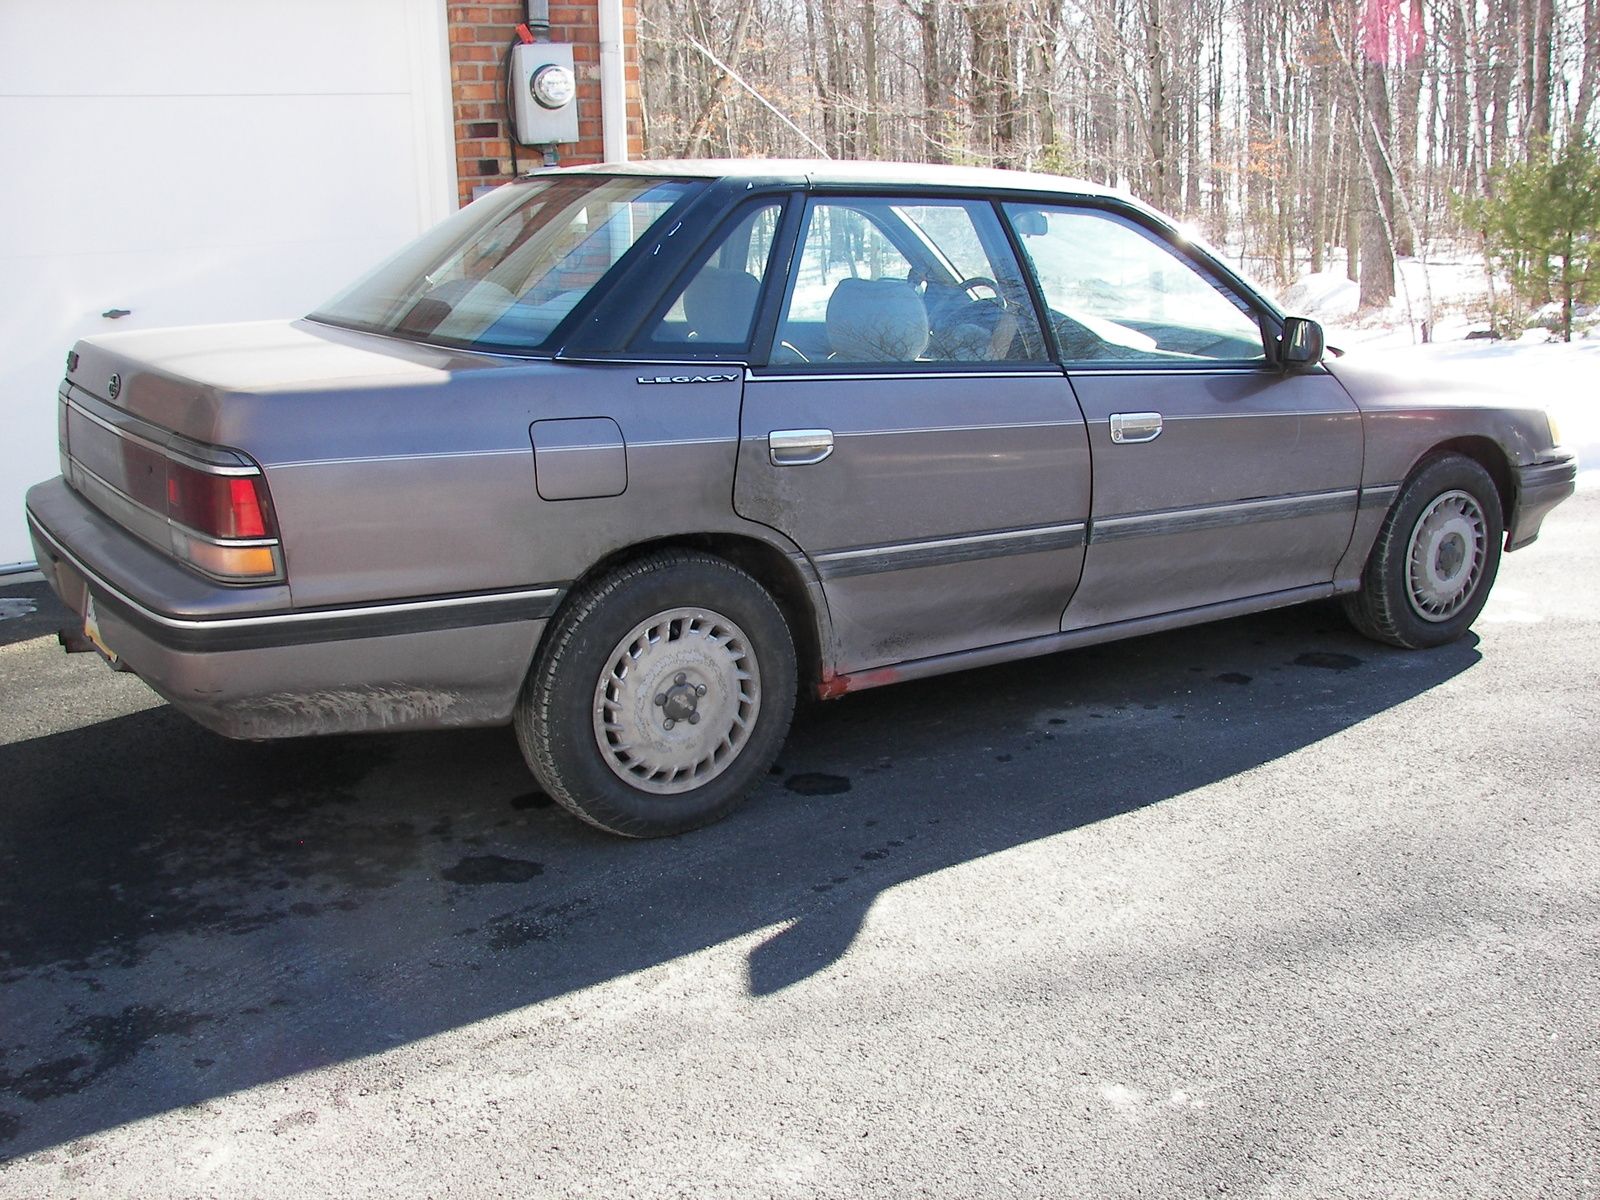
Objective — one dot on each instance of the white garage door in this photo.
(194, 161)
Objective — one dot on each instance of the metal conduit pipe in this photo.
(613, 83)
(539, 20)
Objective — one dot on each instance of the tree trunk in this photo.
(1590, 70)
(1377, 222)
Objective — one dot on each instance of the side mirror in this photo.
(1030, 222)
(1302, 344)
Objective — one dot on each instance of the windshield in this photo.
(502, 273)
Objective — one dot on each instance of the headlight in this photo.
(1555, 427)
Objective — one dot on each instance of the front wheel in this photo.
(1435, 557)
(661, 696)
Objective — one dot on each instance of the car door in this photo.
(911, 436)
(1217, 476)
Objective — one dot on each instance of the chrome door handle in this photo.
(799, 447)
(1135, 427)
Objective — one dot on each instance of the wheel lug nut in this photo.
(699, 689)
(668, 723)
(694, 718)
(661, 699)
(679, 680)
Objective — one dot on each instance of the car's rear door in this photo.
(1216, 476)
(911, 436)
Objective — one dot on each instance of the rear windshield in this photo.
(503, 272)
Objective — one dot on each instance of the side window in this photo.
(716, 309)
(1117, 293)
(917, 281)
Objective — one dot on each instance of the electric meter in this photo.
(544, 90)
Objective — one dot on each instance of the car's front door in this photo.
(1216, 476)
(911, 436)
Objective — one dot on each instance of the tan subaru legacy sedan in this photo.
(631, 457)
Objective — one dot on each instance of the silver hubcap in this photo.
(677, 700)
(1445, 557)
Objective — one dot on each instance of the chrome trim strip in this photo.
(165, 449)
(1218, 516)
(168, 522)
(977, 426)
(940, 552)
(1174, 369)
(523, 451)
(825, 377)
(283, 620)
(1379, 495)
(1236, 416)
(1072, 639)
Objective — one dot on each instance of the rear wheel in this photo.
(1435, 557)
(661, 696)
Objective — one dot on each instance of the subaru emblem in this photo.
(114, 388)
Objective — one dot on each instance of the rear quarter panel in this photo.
(427, 490)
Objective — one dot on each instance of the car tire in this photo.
(1435, 557)
(660, 696)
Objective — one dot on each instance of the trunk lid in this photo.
(144, 424)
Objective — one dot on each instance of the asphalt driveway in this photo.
(1255, 908)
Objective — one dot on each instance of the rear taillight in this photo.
(223, 523)
(219, 506)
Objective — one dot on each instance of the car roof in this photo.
(824, 172)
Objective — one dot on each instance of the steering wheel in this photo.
(983, 281)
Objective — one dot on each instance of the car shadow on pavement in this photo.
(182, 917)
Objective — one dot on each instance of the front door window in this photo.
(1116, 293)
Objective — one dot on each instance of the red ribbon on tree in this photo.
(1391, 30)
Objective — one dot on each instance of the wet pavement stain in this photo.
(113, 1038)
(1232, 677)
(529, 924)
(119, 1037)
(48, 1080)
(245, 818)
(813, 783)
(1327, 660)
(478, 869)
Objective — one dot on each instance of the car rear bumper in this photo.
(1540, 486)
(245, 663)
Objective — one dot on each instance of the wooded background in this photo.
(1299, 134)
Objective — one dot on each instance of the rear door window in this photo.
(909, 282)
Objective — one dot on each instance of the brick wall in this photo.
(479, 35)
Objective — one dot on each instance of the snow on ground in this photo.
(1564, 378)
(1450, 288)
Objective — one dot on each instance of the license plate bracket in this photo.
(91, 629)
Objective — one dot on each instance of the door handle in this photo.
(1135, 427)
(799, 447)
